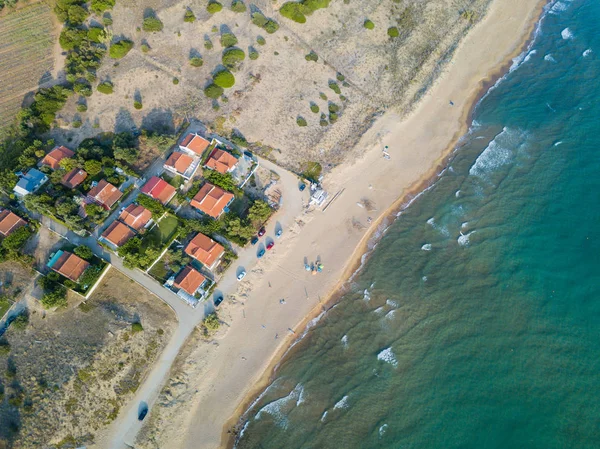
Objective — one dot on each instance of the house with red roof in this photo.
(221, 161)
(136, 217)
(116, 234)
(104, 194)
(190, 281)
(68, 265)
(9, 222)
(53, 158)
(212, 200)
(74, 178)
(182, 164)
(205, 250)
(159, 189)
(194, 144)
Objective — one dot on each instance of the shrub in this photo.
(312, 56)
(334, 87)
(107, 20)
(84, 252)
(151, 204)
(332, 117)
(314, 107)
(138, 104)
(323, 122)
(208, 44)
(81, 107)
(214, 6)
(136, 327)
(83, 88)
(340, 77)
(238, 6)
(334, 108)
(145, 48)
(261, 40)
(196, 61)
(21, 321)
(105, 87)
(252, 53)
(189, 16)
(175, 81)
(92, 166)
(368, 24)
(293, 11)
(71, 37)
(393, 32)
(4, 347)
(269, 25)
(99, 6)
(224, 79)
(77, 14)
(119, 49)
(301, 121)
(228, 40)
(213, 91)
(211, 323)
(152, 24)
(96, 34)
(232, 56)
(55, 298)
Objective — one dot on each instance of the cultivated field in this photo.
(27, 40)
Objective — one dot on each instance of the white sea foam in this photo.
(566, 34)
(367, 295)
(464, 225)
(426, 247)
(392, 303)
(558, 7)
(379, 310)
(442, 229)
(558, 143)
(342, 403)
(388, 356)
(587, 53)
(345, 341)
(549, 58)
(324, 416)
(424, 278)
(497, 153)
(529, 55)
(457, 193)
(275, 408)
(463, 239)
(382, 430)
(390, 315)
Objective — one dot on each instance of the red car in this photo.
(270, 245)
(261, 231)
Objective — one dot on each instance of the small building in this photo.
(104, 194)
(68, 265)
(117, 234)
(159, 189)
(10, 222)
(194, 144)
(221, 161)
(30, 182)
(74, 178)
(205, 250)
(190, 281)
(53, 158)
(212, 200)
(182, 164)
(136, 217)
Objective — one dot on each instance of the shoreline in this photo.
(362, 250)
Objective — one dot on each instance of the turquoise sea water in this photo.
(475, 322)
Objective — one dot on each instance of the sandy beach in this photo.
(228, 374)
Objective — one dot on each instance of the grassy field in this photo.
(26, 42)
(5, 304)
(160, 234)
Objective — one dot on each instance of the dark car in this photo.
(254, 240)
(262, 231)
(270, 245)
(261, 253)
(302, 187)
(218, 300)
(143, 413)
(248, 154)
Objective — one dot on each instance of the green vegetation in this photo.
(99, 6)
(21, 321)
(97, 35)
(84, 252)
(196, 61)
(228, 40)
(137, 104)
(314, 107)
(152, 205)
(136, 327)
(252, 53)
(223, 180)
(232, 56)
(368, 24)
(259, 212)
(260, 40)
(334, 87)
(210, 324)
(311, 56)
(340, 77)
(119, 49)
(105, 87)
(214, 6)
(145, 48)
(269, 25)
(224, 79)
(238, 6)
(175, 81)
(213, 91)
(5, 304)
(55, 294)
(207, 43)
(297, 11)
(393, 32)
(312, 171)
(71, 37)
(4, 348)
(83, 88)
(189, 16)
(301, 121)
(152, 24)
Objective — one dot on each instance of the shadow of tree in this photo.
(159, 120)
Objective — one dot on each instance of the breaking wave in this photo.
(388, 356)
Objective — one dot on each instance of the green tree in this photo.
(213, 91)
(224, 180)
(93, 167)
(95, 212)
(368, 24)
(211, 323)
(228, 40)
(196, 61)
(16, 240)
(84, 252)
(77, 14)
(152, 24)
(224, 79)
(189, 16)
(259, 212)
(55, 298)
(129, 155)
(232, 56)
(393, 32)
(71, 37)
(214, 6)
(99, 6)
(292, 11)
(119, 49)
(238, 228)
(68, 164)
(238, 6)
(152, 205)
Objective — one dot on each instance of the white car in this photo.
(241, 275)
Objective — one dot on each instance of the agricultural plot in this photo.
(26, 56)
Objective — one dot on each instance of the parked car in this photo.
(302, 187)
(218, 300)
(142, 414)
(254, 240)
(261, 253)
(248, 154)
(262, 231)
(278, 233)
(270, 245)
(241, 275)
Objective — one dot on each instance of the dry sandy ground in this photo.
(212, 380)
(272, 91)
(74, 368)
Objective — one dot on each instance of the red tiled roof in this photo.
(117, 233)
(221, 161)
(204, 250)
(179, 161)
(159, 189)
(53, 158)
(74, 178)
(135, 216)
(70, 266)
(195, 143)
(105, 193)
(211, 200)
(10, 222)
(189, 280)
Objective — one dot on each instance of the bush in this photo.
(196, 61)
(228, 40)
(16, 240)
(252, 53)
(293, 11)
(106, 87)
(261, 40)
(175, 81)
(93, 167)
(152, 24)
(84, 252)
(145, 48)
(81, 107)
(107, 20)
(368, 24)
(119, 49)
(96, 34)
(189, 16)
(269, 25)
(340, 77)
(301, 121)
(211, 323)
(99, 6)
(77, 14)
(223, 180)
(213, 91)
(71, 37)
(152, 205)
(334, 108)
(214, 6)
(393, 32)
(21, 321)
(224, 79)
(232, 56)
(55, 298)
(4, 347)
(314, 107)
(334, 87)
(208, 44)
(83, 88)
(312, 56)
(238, 6)
(138, 104)
(136, 327)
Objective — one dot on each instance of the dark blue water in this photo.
(476, 321)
